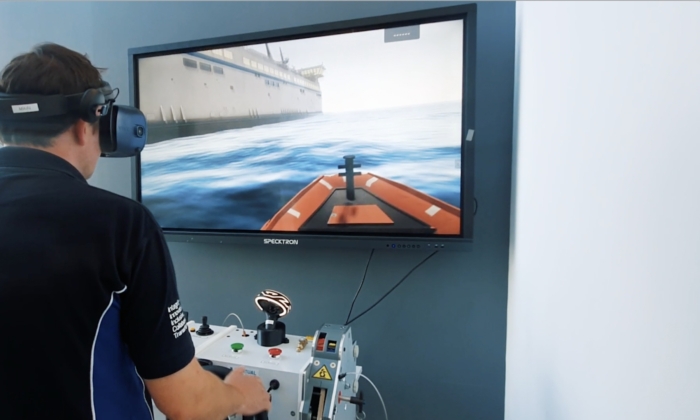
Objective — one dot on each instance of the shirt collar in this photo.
(25, 157)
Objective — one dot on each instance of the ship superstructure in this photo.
(208, 91)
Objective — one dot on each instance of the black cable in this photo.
(364, 276)
(392, 289)
(476, 206)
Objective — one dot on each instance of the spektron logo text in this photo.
(281, 241)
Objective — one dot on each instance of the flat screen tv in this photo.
(351, 134)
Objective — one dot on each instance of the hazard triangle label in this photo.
(323, 373)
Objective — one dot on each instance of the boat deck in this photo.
(374, 205)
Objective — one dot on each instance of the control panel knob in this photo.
(204, 329)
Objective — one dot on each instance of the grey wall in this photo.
(436, 346)
(21, 27)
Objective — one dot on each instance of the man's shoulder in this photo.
(101, 196)
(116, 205)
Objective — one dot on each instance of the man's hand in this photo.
(255, 397)
(195, 394)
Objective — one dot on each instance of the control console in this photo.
(308, 378)
(312, 377)
(281, 368)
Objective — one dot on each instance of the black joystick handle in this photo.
(204, 328)
(274, 384)
(259, 416)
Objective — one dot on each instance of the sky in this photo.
(364, 73)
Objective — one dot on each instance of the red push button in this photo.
(274, 352)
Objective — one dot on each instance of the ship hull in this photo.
(205, 92)
(158, 131)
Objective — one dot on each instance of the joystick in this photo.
(274, 384)
(204, 329)
(272, 332)
(260, 416)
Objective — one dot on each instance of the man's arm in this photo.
(193, 393)
(155, 331)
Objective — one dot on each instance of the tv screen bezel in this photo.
(464, 242)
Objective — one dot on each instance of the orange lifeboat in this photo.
(352, 202)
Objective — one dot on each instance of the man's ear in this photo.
(82, 131)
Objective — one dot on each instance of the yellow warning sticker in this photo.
(323, 373)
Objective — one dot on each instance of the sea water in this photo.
(238, 179)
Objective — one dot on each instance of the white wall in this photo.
(604, 290)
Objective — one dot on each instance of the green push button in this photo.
(236, 347)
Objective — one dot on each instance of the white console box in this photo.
(289, 368)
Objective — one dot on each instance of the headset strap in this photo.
(19, 107)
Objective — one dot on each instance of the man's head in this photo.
(50, 69)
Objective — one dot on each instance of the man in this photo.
(86, 280)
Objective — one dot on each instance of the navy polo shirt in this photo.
(88, 296)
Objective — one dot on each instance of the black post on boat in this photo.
(349, 175)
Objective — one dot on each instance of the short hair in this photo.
(48, 69)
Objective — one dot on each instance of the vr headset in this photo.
(123, 129)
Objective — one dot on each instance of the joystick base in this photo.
(270, 337)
